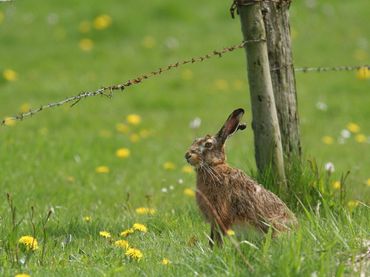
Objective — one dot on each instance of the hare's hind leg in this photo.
(215, 236)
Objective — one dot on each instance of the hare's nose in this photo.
(187, 155)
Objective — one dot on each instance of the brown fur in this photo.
(227, 196)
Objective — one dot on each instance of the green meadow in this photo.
(106, 164)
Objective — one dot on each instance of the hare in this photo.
(226, 196)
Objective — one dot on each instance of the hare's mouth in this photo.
(192, 158)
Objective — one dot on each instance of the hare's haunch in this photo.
(227, 196)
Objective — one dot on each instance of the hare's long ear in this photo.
(231, 125)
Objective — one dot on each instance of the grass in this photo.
(49, 162)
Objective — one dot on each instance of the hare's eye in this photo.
(208, 144)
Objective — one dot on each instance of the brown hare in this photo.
(226, 196)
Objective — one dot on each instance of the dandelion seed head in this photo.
(345, 134)
(321, 106)
(195, 123)
(329, 167)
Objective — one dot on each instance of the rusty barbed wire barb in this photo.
(120, 87)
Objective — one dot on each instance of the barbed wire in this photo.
(102, 91)
(108, 90)
(332, 68)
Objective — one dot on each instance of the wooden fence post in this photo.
(276, 19)
(267, 140)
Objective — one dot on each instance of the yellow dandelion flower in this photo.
(165, 261)
(144, 210)
(134, 253)
(86, 44)
(353, 127)
(29, 242)
(133, 119)
(169, 166)
(134, 138)
(87, 218)
(189, 192)
(127, 232)
(352, 204)
(294, 33)
(102, 169)
(221, 84)
(149, 42)
(336, 185)
(122, 244)
(25, 107)
(187, 74)
(327, 140)
(105, 234)
(144, 133)
(102, 22)
(70, 179)
(123, 153)
(140, 227)
(9, 121)
(22, 275)
(187, 169)
(360, 55)
(368, 182)
(363, 73)
(238, 84)
(10, 75)
(43, 131)
(230, 232)
(105, 133)
(122, 128)
(85, 26)
(360, 138)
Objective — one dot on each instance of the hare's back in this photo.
(253, 200)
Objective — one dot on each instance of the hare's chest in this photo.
(212, 201)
